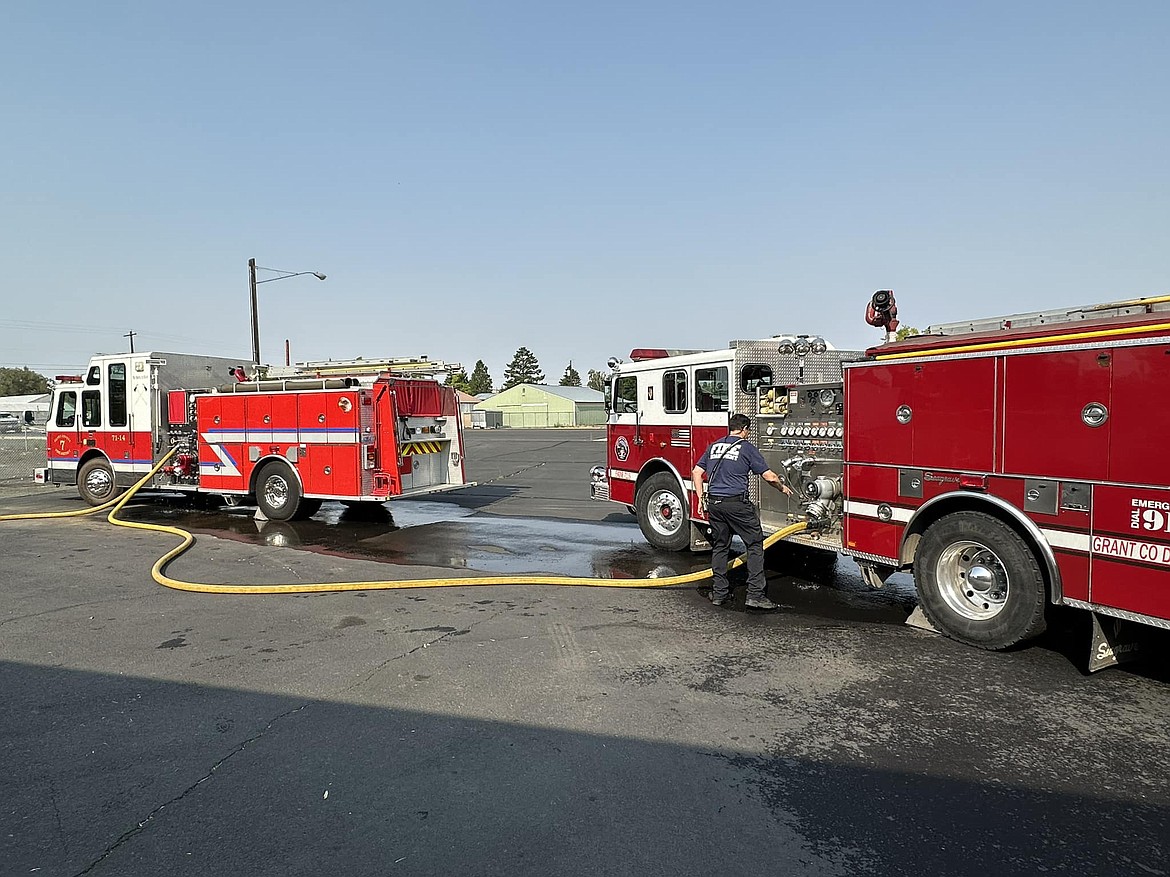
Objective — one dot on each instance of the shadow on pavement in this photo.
(153, 777)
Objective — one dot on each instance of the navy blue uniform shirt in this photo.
(733, 460)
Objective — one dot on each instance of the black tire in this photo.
(979, 582)
(278, 492)
(95, 481)
(663, 513)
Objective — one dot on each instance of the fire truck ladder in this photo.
(1132, 307)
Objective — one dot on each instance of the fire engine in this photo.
(287, 438)
(1010, 463)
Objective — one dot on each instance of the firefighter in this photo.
(730, 509)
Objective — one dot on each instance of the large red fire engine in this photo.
(289, 441)
(1010, 463)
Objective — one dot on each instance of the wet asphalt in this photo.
(535, 730)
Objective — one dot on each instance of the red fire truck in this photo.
(1010, 463)
(290, 442)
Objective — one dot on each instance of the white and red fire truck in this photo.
(290, 442)
(1010, 463)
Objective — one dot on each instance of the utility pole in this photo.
(255, 316)
(131, 335)
(252, 283)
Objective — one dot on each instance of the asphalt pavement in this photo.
(540, 730)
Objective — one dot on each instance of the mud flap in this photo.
(1115, 641)
(699, 534)
(874, 574)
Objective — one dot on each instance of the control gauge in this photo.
(827, 397)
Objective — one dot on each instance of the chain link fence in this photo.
(20, 453)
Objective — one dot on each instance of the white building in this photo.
(22, 406)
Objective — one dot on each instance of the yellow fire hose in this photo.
(158, 571)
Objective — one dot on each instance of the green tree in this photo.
(523, 369)
(570, 378)
(459, 380)
(22, 382)
(481, 380)
(597, 380)
(905, 332)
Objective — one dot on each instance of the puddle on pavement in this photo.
(440, 534)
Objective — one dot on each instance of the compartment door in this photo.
(1140, 415)
(873, 396)
(1051, 423)
(954, 414)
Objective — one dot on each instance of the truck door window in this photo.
(625, 394)
(91, 408)
(117, 376)
(711, 389)
(67, 410)
(94, 376)
(674, 392)
(755, 375)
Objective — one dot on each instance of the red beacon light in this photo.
(68, 379)
(640, 354)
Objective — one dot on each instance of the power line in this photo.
(76, 329)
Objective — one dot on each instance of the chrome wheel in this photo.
(972, 580)
(95, 481)
(99, 481)
(664, 512)
(276, 491)
(662, 516)
(979, 581)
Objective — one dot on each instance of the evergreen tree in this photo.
(22, 382)
(598, 380)
(523, 369)
(481, 381)
(459, 380)
(570, 378)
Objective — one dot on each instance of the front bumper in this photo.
(598, 484)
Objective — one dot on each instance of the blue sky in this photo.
(578, 178)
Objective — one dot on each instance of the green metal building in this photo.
(540, 405)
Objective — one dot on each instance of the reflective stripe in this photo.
(282, 436)
(869, 510)
(1068, 541)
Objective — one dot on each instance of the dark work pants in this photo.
(735, 515)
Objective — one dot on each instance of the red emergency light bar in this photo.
(68, 379)
(639, 354)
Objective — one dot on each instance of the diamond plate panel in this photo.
(818, 368)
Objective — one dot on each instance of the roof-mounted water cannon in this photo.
(883, 313)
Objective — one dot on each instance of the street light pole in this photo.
(253, 283)
(255, 318)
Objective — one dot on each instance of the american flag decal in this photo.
(680, 438)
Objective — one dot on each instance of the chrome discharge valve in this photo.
(823, 506)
